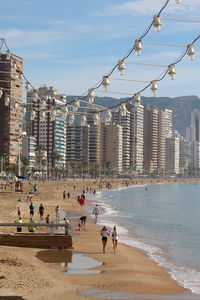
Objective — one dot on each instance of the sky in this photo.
(70, 45)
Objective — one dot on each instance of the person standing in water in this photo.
(96, 213)
(114, 235)
(104, 233)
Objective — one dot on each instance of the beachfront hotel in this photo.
(11, 110)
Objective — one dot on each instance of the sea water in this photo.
(163, 220)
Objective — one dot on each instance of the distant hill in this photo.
(181, 106)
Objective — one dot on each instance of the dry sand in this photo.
(23, 274)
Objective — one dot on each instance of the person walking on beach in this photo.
(41, 211)
(19, 212)
(31, 208)
(47, 219)
(104, 234)
(57, 211)
(114, 235)
(64, 195)
(82, 222)
(96, 213)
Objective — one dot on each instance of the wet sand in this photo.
(24, 274)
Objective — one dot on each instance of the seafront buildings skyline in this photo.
(136, 139)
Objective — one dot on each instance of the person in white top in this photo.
(57, 211)
(104, 233)
(114, 235)
(96, 213)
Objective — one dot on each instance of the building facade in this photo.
(11, 107)
(111, 147)
(125, 122)
(49, 132)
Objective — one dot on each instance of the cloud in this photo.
(149, 7)
(18, 38)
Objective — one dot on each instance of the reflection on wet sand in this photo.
(70, 262)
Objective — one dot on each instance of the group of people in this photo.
(105, 233)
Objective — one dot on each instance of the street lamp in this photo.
(19, 152)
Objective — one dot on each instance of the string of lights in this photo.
(90, 94)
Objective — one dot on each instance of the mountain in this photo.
(181, 107)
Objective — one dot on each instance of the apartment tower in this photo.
(50, 133)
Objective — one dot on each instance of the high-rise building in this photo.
(49, 132)
(163, 131)
(111, 147)
(136, 136)
(28, 150)
(151, 115)
(125, 122)
(185, 154)
(93, 141)
(172, 165)
(168, 122)
(77, 143)
(11, 114)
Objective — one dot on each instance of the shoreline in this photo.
(138, 275)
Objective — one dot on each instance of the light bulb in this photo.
(154, 88)
(52, 114)
(90, 96)
(137, 98)
(172, 72)
(83, 120)
(105, 82)
(123, 109)
(32, 115)
(71, 119)
(27, 86)
(108, 117)
(1, 93)
(42, 104)
(35, 95)
(96, 119)
(7, 100)
(191, 52)
(138, 47)
(15, 105)
(121, 67)
(157, 23)
(8, 55)
(42, 116)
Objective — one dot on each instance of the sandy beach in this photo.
(26, 273)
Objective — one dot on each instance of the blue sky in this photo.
(71, 44)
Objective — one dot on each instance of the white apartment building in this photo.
(137, 136)
(111, 147)
(168, 122)
(125, 122)
(28, 150)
